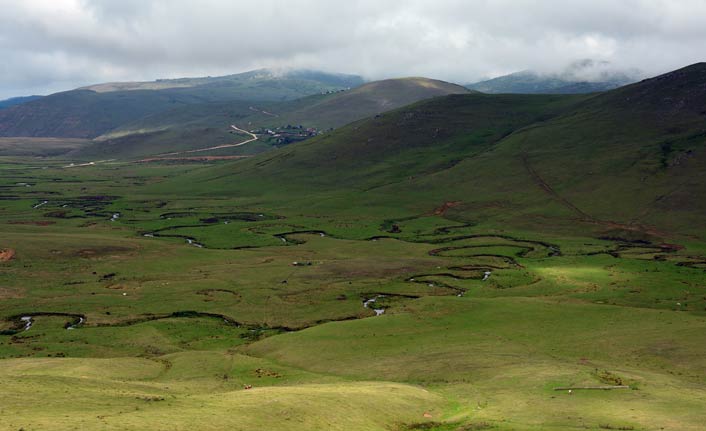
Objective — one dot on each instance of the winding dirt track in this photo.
(161, 157)
(550, 191)
(539, 181)
(252, 108)
(253, 137)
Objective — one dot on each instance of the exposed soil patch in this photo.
(213, 294)
(6, 254)
(440, 211)
(6, 293)
(102, 251)
(32, 222)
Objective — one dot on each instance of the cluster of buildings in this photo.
(287, 134)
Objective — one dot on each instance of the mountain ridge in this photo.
(84, 113)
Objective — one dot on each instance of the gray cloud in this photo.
(51, 45)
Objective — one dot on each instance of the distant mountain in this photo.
(261, 84)
(17, 101)
(206, 124)
(369, 99)
(586, 76)
(91, 111)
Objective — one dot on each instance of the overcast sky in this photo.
(53, 45)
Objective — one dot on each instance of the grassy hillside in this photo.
(630, 156)
(367, 100)
(40, 147)
(85, 113)
(208, 124)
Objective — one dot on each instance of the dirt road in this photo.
(253, 137)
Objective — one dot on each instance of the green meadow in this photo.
(135, 328)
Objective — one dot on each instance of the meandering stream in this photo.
(369, 303)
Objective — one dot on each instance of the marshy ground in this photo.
(134, 327)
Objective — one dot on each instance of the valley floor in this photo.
(126, 308)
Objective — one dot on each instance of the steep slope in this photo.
(82, 113)
(208, 124)
(627, 160)
(92, 111)
(635, 154)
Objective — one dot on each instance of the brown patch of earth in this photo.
(6, 254)
(7, 293)
(102, 251)
(29, 222)
(440, 211)
(648, 230)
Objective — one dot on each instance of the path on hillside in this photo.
(539, 181)
(218, 147)
(253, 137)
(252, 108)
(72, 165)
